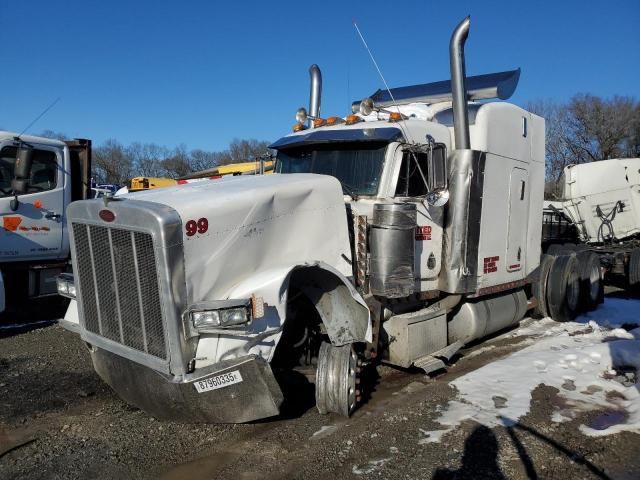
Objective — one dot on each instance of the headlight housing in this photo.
(222, 314)
(66, 285)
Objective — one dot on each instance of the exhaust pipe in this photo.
(458, 84)
(315, 92)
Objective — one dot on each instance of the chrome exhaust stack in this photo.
(458, 84)
(466, 182)
(315, 93)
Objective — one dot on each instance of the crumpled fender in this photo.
(346, 322)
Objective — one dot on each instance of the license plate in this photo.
(218, 381)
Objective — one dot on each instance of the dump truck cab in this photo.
(34, 241)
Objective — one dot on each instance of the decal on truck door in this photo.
(423, 233)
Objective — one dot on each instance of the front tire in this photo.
(336, 379)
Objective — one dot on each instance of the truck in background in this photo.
(398, 233)
(138, 184)
(601, 203)
(39, 178)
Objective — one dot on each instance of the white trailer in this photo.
(39, 177)
(397, 234)
(602, 200)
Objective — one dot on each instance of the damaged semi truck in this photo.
(396, 234)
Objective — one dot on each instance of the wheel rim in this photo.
(336, 379)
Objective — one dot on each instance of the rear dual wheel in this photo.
(563, 288)
(591, 282)
(634, 268)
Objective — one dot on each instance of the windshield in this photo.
(358, 166)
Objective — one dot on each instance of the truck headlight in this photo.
(66, 285)
(205, 317)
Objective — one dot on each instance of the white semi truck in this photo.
(397, 234)
(601, 200)
(39, 177)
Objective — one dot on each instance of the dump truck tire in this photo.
(591, 283)
(539, 287)
(634, 268)
(563, 288)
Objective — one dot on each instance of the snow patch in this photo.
(577, 358)
(369, 467)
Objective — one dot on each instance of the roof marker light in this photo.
(396, 116)
(351, 119)
(298, 127)
(334, 121)
(319, 122)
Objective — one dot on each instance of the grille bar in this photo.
(137, 268)
(119, 287)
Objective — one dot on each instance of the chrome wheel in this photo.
(336, 379)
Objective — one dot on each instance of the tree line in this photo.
(587, 128)
(114, 162)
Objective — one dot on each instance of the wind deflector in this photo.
(491, 85)
(385, 134)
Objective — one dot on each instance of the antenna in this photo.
(364, 42)
(39, 116)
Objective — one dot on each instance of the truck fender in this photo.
(342, 309)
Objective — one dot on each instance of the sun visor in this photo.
(384, 134)
(480, 87)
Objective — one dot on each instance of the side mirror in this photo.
(438, 194)
(22, 169)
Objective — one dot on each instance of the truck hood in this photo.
(235, 228)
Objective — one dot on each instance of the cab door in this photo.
(518, 219)
(412, 187)
(34, 230)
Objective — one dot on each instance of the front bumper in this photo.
(257, 396)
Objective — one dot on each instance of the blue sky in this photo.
(202, 73)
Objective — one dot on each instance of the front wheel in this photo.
(336, 379)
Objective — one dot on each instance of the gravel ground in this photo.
(65, 423)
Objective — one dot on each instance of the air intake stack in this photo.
(459, 84)
(315, 93)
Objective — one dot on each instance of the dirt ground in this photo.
(59, 420)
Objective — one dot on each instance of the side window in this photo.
(410, 182)
(432, 174)
(43, 175)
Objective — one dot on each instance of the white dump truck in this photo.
(601, 203)
(396, 234)
(39, 177)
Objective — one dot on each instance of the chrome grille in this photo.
(118, 283)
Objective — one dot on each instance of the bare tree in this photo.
(147, 158)
(244, 150)
(177, 164)
(54, 135)
(111, 163)
(586, 129)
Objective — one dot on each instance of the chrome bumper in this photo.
(176, 398)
